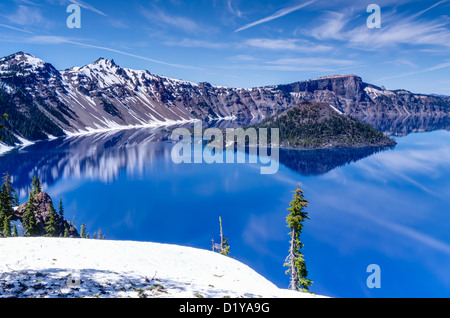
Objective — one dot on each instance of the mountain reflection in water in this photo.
(102, 156)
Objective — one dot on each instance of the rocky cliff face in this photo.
(43, 101)
(396, 112)
(352, 96)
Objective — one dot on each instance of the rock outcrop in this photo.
(43, 202)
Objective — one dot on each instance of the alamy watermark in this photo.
(74, 19)
(221, 145)
(74, 279)
(374, 20)
(374, 279)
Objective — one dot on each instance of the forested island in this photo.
(314, 125)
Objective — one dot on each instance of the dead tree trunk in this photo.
(291, 258)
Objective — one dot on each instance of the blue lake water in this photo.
(390, 208)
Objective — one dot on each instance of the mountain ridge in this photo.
(43, 102)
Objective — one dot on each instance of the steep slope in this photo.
(42, 101)
(30, 115)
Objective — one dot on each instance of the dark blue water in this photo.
(390, 208)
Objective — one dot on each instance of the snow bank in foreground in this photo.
(49, 267)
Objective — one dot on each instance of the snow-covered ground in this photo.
(52, 267)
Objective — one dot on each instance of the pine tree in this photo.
(83, 231)
(61, 208)
(51, 226)
(100, 235)
(224, 247)
(66, 232)
(15, 233)
(29, 219)
(16, 201)
(36, 186)
(6, 227)
(7, 195)
(295, 261)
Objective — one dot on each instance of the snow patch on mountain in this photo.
(4, 148)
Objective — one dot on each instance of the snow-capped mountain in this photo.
(42, 101)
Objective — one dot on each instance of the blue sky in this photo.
(241, 43)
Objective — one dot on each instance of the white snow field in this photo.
(69, 268)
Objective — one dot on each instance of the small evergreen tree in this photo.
(51, 226)
(8, 199)
(100, 235)
(36, 186)
(66, 232)
(83, 231)
(16, 201)
(295, 261)
(29, 219)
(7, 195)
(15, 233)
(6, 227)
(224, 246)
(61, 208)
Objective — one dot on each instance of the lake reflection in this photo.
(367, 206)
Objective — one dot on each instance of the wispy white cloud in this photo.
(313, 61)
(27, 16)
(286, 45)
(406, 32)
(87, 6)
(310, 64)
(429, 8)
(15, 29)
(276, 15)
(233, 10)
(396, 30)
(163, 19)
(62, 40)
(437, 67)
(243, 58)
(195, 43)
(331, 27)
